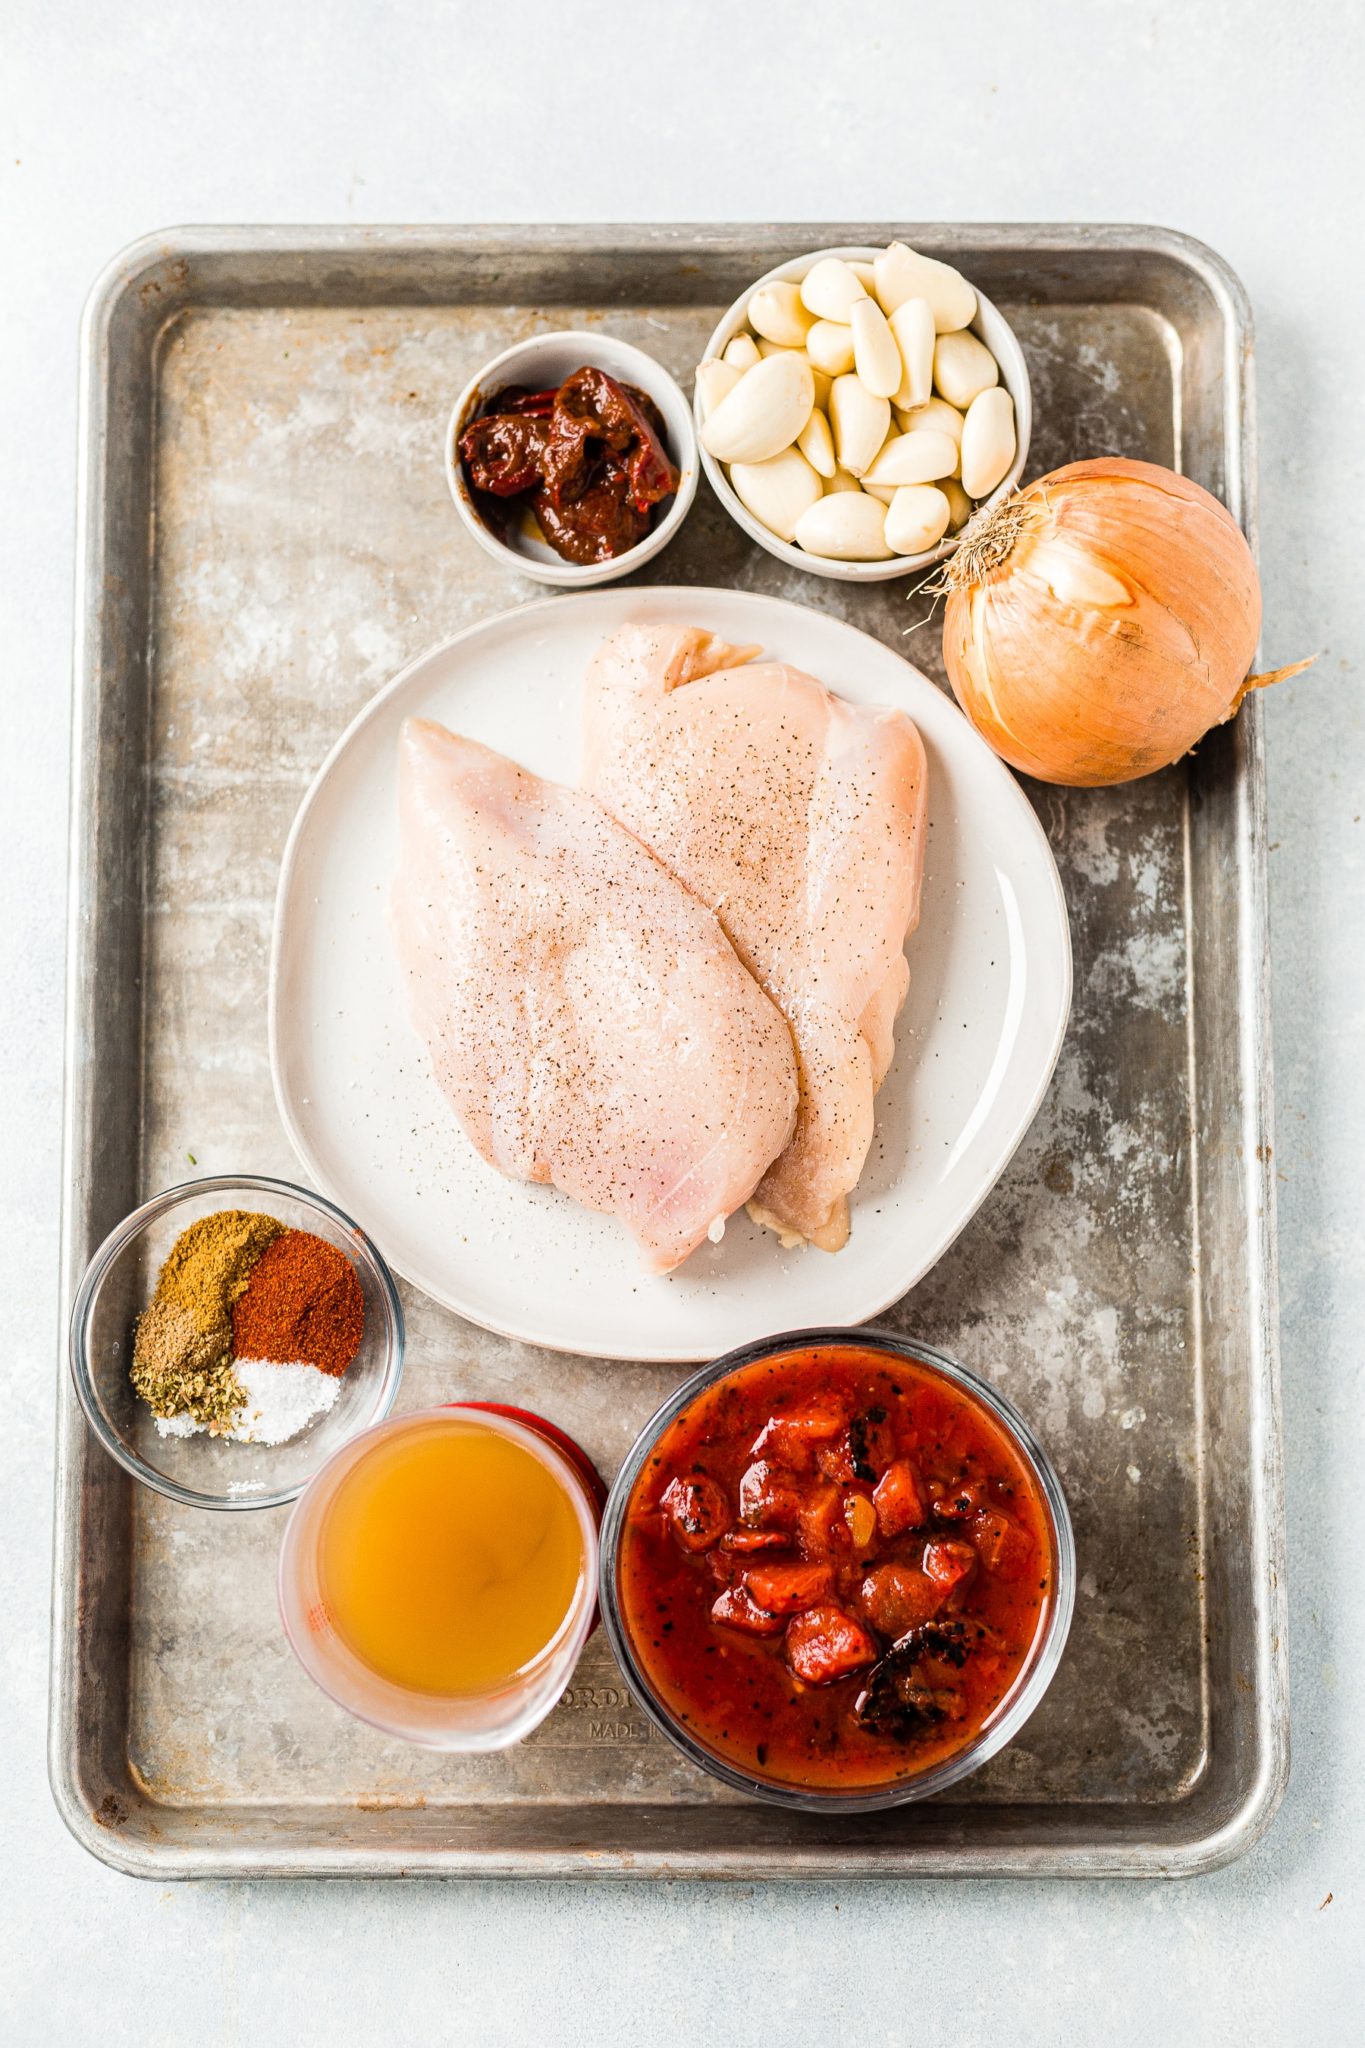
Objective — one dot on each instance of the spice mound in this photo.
(302, 1303)
(249, 1330)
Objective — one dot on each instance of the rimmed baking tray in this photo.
(265, 535)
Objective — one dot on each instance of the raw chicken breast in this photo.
(586, 1016)
(799, 819)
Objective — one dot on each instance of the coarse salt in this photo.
(281, 1400)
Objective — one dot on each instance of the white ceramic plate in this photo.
(990, 988)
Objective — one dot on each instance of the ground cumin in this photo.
(302, 1304)
(182, 1350)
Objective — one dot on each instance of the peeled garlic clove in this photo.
(904, 274)
(778, 491)
(884, 493)
(912, 326)
(866, 274)
(822, 382)
(742, 351)
(770, 348)
(776, 312)
(960, 506)
(919, 458)
(817, 443)
(859, 420)
(830, 289)
(935, 412)
(715, 380)
(830, 347)
(841, 481)
(845, 526)
(764, 413)
(988, 441)
(916, 519)
(876, 357)
(963, 368)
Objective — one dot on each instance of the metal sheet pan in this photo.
(265, 535)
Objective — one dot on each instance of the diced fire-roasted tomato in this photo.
(946, 1560)
(789, 1588)
(768, 1498)
(863, 1451)
(899, 1597)
(955, 1501)
(835, 1460)
(737, 1608)
(697, 1510)
(792, 1438)
(899, 1499)
(824, 1644)
(1000, 1544)
(746, 1540)
(821, 1526)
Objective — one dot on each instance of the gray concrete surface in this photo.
(1236, 123)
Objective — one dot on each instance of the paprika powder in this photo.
(303, 1305)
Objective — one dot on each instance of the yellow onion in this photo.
(1101, 620)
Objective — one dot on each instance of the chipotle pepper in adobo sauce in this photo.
(834, 1566)
(588, 459)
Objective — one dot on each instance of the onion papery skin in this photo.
(1092, 694)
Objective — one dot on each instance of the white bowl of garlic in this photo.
(856, 406)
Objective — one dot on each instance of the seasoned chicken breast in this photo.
(799, 819)
(585, 1014)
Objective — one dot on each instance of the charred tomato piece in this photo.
(697, 1510)
(748, 1540)
(946, 1560)
(789, 1588)
(768, 1498)
(821, 1526)
(792, 1438)
(825, 1644)
(954, 1500)
(736, 1608)
(873, 1443)
(899, 1499)
(1000, 1544)
(899, 1597)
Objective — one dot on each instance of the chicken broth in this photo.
(449, 1558)
(833, 1568)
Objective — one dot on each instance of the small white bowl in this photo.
(539, 364)
(992, 327)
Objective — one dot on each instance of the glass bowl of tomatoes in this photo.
(838, 1570)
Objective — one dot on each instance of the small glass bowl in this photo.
(1033, 1680)
(472, 1722)
(203, 1471)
